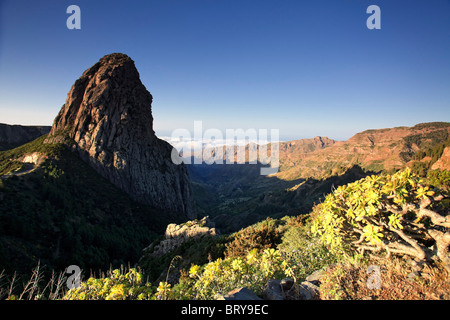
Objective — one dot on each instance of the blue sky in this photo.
(306, 68)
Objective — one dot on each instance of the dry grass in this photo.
(350, 282)
(34, 288)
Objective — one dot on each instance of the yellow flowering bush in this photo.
(396, 213)
(224, 275)
(118, 285)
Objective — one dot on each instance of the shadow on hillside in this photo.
(236, 195)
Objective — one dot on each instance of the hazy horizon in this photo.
(309, 68)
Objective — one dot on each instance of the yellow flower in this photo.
(117, 293)
(251, 256)
(193, 271)
(163, 286)
(272, 254)
(237, 264)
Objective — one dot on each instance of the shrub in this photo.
(117, 285)
(261, 236)
(224, 275)
(397, 214)
(350, 281)
(420, 168)
(439, 179)
(304, 252)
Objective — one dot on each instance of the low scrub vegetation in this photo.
(397, 223)
(397, 214)
(355, 281)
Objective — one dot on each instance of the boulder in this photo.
(239, 294)
(286, 284)
(176, 235)
(273, 291)
(308, 291)
(315, 276)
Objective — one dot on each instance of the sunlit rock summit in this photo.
(107, 119)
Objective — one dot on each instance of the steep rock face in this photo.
(107, 118)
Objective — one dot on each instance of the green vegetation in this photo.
(217, 277)
(439, 179)
(385, 216)
(398, 214)
(428, 143)
(224, 275)
(65, 213)
(261, 236)
(304, 250)
(8, 159)
(194, 251)
(255, 262)
(116, 285)
(378, 209)
(434, 152)
(424, 160)
(432, 125)
(274, 248)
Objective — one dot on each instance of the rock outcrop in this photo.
(176, 235)
(238, 294)
(12, 136)
(107, 119)
(285, 289)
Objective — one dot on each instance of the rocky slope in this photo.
(107, 119)
(444, 162)
(12, 136)
(381, 149)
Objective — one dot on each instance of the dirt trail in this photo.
(28, 168)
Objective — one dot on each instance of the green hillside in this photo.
(62, 212)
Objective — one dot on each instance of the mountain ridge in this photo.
(374, 149)
(12, 136)
(320, 157)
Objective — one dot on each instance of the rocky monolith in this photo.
(107, 119)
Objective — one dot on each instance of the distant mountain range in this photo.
(380, 149)
(12, 136)
(321, 157)
(237, 195)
